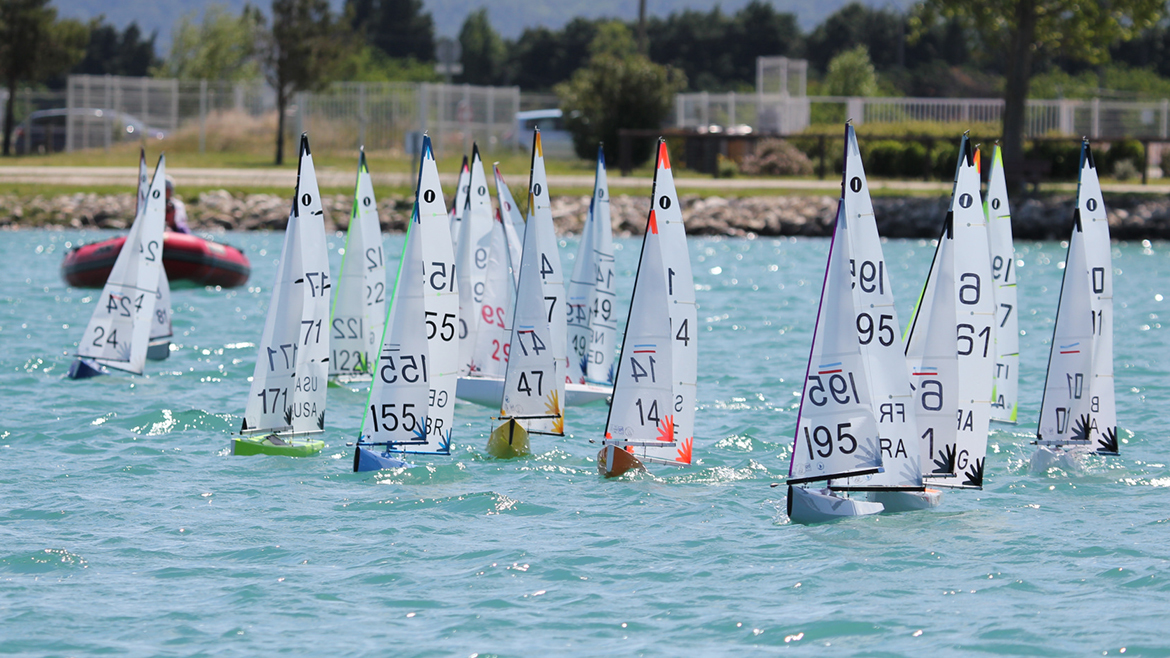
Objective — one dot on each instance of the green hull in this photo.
(263, 445)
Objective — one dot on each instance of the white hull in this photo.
(819, 506)
(1046, 457)
(907, 501)
(489, 391)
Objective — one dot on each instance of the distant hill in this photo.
(509, 17)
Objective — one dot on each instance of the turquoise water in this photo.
(127, 527)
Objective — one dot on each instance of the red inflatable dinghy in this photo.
(187, 258)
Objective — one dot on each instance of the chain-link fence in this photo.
(102, 110)
(38, 121)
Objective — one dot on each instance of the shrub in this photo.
(617, 90)
(1119, 152)
(1125, 170)
(776, 157)
(725, 167)
(1064, 156)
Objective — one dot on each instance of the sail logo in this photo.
(1068, 349)
(829, 369)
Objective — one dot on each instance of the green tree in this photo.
(221, 46)
(34, 45)
(111, 52)
(617, 91)
(303, 46)
(483, 50)
(1018, 30)
(851, 74)
(399, 28)
(718, 51)
(365, 63)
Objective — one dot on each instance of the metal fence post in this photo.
(203, 116)
(515, 111)
(361, 115)
(1096, 118)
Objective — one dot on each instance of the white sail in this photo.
(513, 222)
(548, 258)
(396, 414)
(876, 325)
(1079, 406)
(534, 388)
(680, 291)
(493, 324)
(837, 432)
(1005, 395)
(592, 316)
(359, 307)
(289, 382)
(471, 260)
(950, 349)
(456, 219)
(160, 326)
(118, 333)
(641, 417)
(441, 301)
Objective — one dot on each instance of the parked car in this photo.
(45, 129)
(553, 137)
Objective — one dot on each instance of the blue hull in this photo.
(84, 369)
(368, 460)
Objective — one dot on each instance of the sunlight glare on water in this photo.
(127, 526)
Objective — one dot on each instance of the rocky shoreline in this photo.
(1131, 217)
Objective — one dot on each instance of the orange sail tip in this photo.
(537, 146)
(666, 429)
(684, 451)
(663, 156)
(653, 227)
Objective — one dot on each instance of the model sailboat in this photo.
(471, 261)
(119, 330)
(286, 403)
(899, 487)
(1005, 395)
(534, 385)
(592, 313)
(159, 347)
(1078, 414)
(512, 220)
(856, 426)
(462, 187)
(673, 447)
(411, 408)
(359, 308)
(951, 344)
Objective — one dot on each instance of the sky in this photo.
(509, 17)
